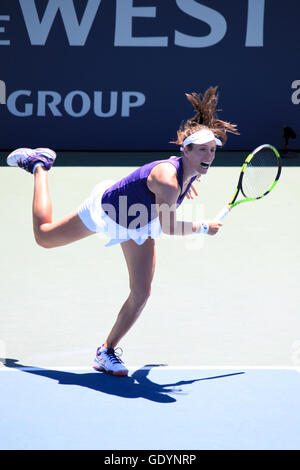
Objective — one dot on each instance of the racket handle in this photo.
(224, 212)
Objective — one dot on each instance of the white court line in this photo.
(3, 368)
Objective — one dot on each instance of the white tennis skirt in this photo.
(96, 220)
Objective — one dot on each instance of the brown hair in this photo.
(205, 117)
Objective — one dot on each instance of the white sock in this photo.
(36, 165)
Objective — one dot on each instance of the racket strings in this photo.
(260, 174)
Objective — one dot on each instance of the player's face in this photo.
(201, 156)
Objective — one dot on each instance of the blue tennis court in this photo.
(155, 407)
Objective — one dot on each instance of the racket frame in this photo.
(239, 187)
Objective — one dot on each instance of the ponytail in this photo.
(205, 117)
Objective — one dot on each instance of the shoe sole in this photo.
(110, 372)
(14, 157)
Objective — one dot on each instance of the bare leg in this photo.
(140, 261)
(47, 233)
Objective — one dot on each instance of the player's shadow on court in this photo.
(138, 385)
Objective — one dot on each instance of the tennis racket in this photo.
(259, 176)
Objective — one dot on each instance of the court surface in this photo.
(214, 359)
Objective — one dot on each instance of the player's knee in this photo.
(42, 241)
(141, 294)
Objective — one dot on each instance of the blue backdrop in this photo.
(112, 74)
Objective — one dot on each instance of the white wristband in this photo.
(204, 227)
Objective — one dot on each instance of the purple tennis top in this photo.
(126, 195)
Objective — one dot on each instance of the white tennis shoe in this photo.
(28, 159)
(108, 360)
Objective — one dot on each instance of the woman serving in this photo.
(133, 211)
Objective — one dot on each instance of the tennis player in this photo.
(153, 191)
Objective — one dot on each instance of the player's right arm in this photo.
(163, 182)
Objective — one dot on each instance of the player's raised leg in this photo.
(50, 234)
(47, 234)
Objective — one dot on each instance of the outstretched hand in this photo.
(214, 227)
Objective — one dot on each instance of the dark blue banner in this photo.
(112, 74)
